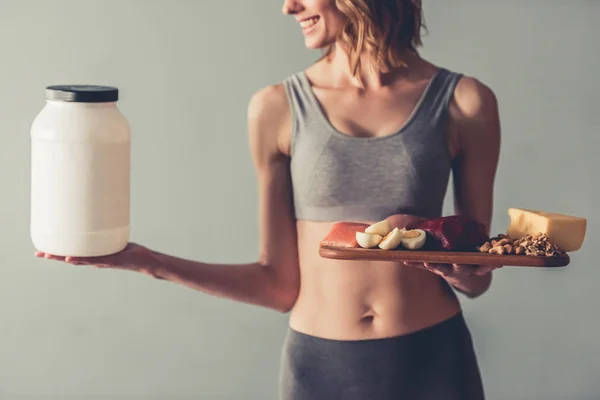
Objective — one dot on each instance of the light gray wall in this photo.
(186, 70)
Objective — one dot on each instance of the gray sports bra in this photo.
(337, 177)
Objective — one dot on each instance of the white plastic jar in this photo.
(80, 173)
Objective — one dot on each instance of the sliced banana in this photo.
(392, 240)
(368, 240)
(380, 228)
(413, 239)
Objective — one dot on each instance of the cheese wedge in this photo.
(565, 231)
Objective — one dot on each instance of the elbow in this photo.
(287, 295)
(286, 292)
(284, 284)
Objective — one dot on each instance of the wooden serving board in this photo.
(441, 257)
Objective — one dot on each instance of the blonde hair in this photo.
(385, 29)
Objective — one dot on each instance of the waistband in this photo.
(444, 329)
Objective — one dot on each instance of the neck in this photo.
(368, 74)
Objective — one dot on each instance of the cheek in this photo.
(335, 24)
(321, 6)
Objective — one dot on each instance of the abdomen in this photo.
(349, 300)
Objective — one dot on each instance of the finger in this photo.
(413, 264)
(438, 265)
(82, 260)
(464, 269)
(440, 269)
(39, 254)
(420, 265)
(74, 260)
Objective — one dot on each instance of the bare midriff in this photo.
(355, 300)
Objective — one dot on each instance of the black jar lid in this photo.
(82, 93)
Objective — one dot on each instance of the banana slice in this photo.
(380, 228)
(368, 240)
(392, 240)
(413, 239)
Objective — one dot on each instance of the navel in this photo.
(368, 317)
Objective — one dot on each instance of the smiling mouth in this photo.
(309, 22)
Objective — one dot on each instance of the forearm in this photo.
(472, 286)
(251, 283)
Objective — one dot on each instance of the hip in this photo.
(437, 362)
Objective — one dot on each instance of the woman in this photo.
(370, 131)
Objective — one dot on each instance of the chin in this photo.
(315, 43)
(311, 45)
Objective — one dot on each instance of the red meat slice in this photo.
(343, 234)
(455, 232)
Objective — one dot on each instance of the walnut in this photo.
(520, 250)
(550, 247)
(503, 242)
(486, 247)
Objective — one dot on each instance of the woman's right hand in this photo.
(133, 258)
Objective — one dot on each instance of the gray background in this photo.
(187, 70)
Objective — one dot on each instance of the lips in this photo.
(309, 22)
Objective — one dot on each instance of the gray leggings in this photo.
(436, 363)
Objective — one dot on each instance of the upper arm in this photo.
(475, 120)
(268, 129)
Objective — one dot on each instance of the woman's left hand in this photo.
(472, 280)
(455, 271)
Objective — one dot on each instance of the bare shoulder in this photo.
(474, 115)
(474, 100)
(269, 118)
(267, 101)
